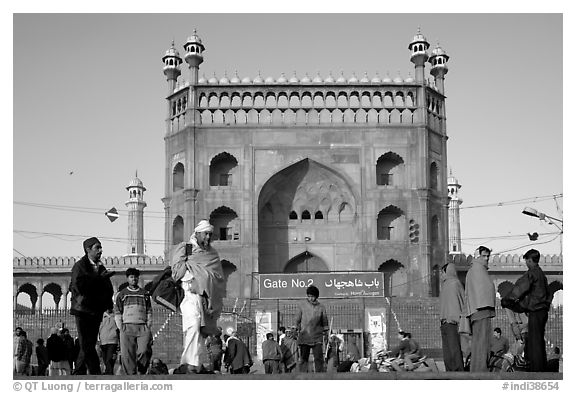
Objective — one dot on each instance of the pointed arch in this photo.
(391, 270)
(222, 168)
(306, 262)
(226, 224)
(178, 230)
(178, 177)
(390, 223)
(389, 169)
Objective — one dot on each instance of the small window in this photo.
(386, 231)
(454, 247)
(305, 215)
(224, 233)
(386, 179)
(133, 250)
(319, 215)
(225, 179)
(293, 215)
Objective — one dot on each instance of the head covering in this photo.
(88, 243)
(312, 290)
(204, 226)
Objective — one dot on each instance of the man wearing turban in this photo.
(200, 273)
(92, 292)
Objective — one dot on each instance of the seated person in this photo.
(553, 363)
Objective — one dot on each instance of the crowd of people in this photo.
(108, 331)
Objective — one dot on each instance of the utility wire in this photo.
(161, 214)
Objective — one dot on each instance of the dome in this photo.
(269, 80)
(452, 180)
(341, 78)
(329, 78)
(294, 78)
(246, 79)
(224, 80)
(306, 79)
(318, 78)
(353, 79)
(213, 80)
(235, 78)
(409, 79)
(365, 78)
(194, 39)
(282, 79)
(202, 79)
(376, 79)
(387, 79)
(258, 79)
(398, 79)
(438, 51)
(172, 52)
(419, 37)
(136, 183)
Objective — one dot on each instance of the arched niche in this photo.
(306, 262)
(226, 224)
(221, 169)
(392, 270)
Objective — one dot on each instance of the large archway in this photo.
(306, 262)
(297, 207)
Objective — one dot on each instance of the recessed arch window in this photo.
(318, 215)
(434, 176)
(305, 215)
(293, 215)
(389, 223)
(178, 177)
(387, 169)
(178, 230)
(225, 221)
(221, 169)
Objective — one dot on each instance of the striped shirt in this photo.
(132, 306)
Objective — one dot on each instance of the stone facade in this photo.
(322, 174)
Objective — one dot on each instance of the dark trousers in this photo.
(535, 349)
(109, 357)
(305, 354)
(451, 347)
(271, 366)
(87, 327)
(481, 339)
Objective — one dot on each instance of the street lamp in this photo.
(529, 211)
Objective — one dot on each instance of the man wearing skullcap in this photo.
(200, 274)
(92, 292)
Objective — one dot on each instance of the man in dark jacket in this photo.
(92, 292)
(42, 356)
(532, 294)
(56, 349)
(237, 357)
(312, 325)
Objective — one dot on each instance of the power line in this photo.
(245, 216)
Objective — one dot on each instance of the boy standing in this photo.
(133, 315)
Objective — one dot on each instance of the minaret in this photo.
(194, 49)
(454, 239)
(172, 63)
(439, 68)
(136, 205)
(419, 47)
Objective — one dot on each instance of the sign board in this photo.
(376, 326)
(331, 285)
(228, 322)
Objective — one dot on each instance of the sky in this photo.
(89, 111)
